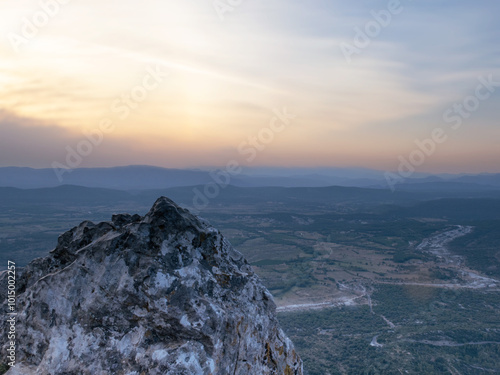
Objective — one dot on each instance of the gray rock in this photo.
(159, 294)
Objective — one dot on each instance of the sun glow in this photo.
(226, 77)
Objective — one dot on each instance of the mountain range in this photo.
(149, 177)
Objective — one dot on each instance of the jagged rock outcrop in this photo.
(159, 294)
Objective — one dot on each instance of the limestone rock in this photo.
(159, 294)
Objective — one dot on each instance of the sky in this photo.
(290, 83)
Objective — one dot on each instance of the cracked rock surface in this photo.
(159, 294)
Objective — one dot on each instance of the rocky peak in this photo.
(159, 294)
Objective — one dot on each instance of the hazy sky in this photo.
(186, 83)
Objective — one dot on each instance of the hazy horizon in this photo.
(269, 169)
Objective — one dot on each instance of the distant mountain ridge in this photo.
(148, 177)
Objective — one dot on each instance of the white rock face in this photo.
(159, 294)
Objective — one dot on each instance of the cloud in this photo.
(28, 142)
(227, 77)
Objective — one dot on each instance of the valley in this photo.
(364, 281)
